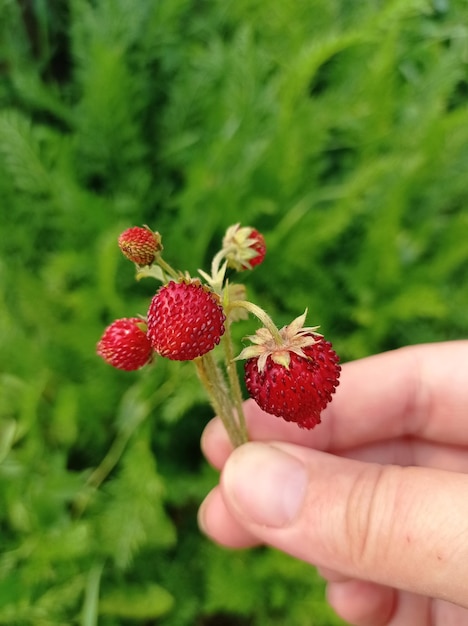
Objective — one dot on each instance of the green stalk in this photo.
(102, 471)
(261, 315)
(166, 268)
(234, 381)
(215, 385)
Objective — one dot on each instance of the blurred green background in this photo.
(339, 129)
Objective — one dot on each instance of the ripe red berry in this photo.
(244, 247)
(185, 320)
(294, 380)
(140, 245)
(125, 344)
(258, 246)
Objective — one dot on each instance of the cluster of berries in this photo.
(290, 372)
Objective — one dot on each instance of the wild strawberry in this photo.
(185, 320)
(140, 245)
(244, 247)
(125, 345)
(294, 375)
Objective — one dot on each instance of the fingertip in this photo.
(361, 602)
(217, 523)
(215, 443)
(264, 485)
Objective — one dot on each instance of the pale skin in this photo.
(376, 496)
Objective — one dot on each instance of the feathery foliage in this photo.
(339, 129)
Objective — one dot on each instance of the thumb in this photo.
(405, 527)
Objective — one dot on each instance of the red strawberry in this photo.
(140, 245)
(185, 320)
(258, 246)
(294, 379)
(125, 345)
(244, 247)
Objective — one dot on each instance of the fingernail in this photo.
(264, 484)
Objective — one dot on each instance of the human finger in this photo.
(366, 604)
(419, 391)
(217, 522)
(386, 524)
(332, 575)
(410, 451)
(363, 603)
(403, 451)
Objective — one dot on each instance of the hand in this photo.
(376, 496)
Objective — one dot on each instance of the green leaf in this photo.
(418, 301)
(19, 151)
(133, 515)
(133, 602)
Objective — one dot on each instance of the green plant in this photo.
(338, 128)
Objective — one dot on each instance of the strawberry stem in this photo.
(215, 385)
(166, 268)
(234, 381)
(261, 315)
